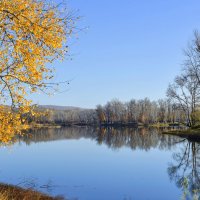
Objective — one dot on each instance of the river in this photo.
(99, 164)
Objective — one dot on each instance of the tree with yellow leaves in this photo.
(33, 33)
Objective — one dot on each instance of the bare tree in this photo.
(186, 88)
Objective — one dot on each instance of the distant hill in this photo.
(55, 107)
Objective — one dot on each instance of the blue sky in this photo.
(132, 49)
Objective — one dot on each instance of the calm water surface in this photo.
(90, 164)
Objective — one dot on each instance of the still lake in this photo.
(92, 164)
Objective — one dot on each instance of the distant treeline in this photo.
(117, 113)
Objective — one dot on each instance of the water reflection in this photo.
(185, 169)
(134, 138)
(84, 156)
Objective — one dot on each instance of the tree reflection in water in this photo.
(134, 138)
(185, 169)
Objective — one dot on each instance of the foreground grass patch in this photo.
(10, 192)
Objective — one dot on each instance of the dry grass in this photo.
(190, 134)
(9, 192)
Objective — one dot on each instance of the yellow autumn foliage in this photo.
(33, 33)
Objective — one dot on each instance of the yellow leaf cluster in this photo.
(10, 124)
(32, 34)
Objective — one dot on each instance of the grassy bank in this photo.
(192, 134)
(159, 125)
(35, 126)
(10, 192)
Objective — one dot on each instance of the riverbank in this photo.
(132, 125)
(38, 126)
(105, 125)
(11, 192)
(190, 134)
